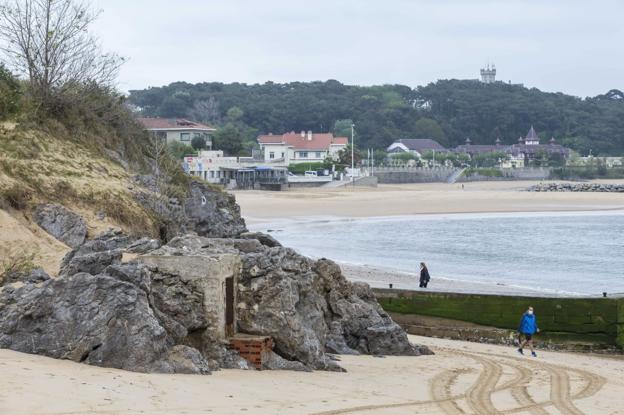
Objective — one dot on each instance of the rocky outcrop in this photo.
(207, 210)
(164, 312)
(60, 222)
(577, 187)
(212, 213)
(98, 320)
(307, 307)
(95, 255)
(123, 315)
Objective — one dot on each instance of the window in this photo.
(282, 154)
(271, 155)
(318, 154)
(185, 136)
(303, 154)
(198, 135)
(212, 174)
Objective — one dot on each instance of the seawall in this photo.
(591, 321)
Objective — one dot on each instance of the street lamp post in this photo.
(352, 154)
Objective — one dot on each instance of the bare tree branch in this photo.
(49, 42)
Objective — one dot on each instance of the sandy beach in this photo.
(461, 378)
(413, 199)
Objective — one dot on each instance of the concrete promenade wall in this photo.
(527, 173)
(396, 175)
(594, 320)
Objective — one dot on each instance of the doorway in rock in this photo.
(229, 307)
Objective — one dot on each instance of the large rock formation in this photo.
(160, 313)
(308, 307)
(60, 222)
(123, 315)
(206, 211)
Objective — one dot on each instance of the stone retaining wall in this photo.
(598, 321)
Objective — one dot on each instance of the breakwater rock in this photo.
(577, 187)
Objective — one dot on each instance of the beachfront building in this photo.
(517, 155)
(415, 146)
(235, 172)
(300, 147)
(177, 129)
(529, 148)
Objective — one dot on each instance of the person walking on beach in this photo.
(424, 275)
(528, 328)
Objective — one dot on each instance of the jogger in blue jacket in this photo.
(528, 327)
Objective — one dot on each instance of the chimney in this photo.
(309, 135)
(302, 134)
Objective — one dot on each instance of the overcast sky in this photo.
(571, 46)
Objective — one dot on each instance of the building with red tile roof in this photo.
(177, 129)
(301, 147)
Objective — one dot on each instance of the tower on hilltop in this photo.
(488, 74)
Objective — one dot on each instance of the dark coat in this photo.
(424, 275)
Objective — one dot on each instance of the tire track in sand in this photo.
(479, 394)
(440, 391)
(560, 390)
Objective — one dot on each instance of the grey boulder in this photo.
(60, 222)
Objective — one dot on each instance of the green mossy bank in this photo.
(591, 320)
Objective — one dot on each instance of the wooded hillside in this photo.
(448, 111)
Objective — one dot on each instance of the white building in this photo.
(300, 147)
(177, 129)
(213, 167)
(416, 146)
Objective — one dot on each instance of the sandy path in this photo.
(461, 379)
(412, 199)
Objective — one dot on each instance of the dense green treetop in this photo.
(448, 111)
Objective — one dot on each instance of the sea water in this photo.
(581, 253)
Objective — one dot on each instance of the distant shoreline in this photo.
(378, 277)
(418, 199)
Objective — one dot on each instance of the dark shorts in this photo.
(527, 336)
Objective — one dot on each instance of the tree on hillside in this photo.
(342, 128)
(229, 139)
(428, 128)
(9, 92)
(49, 42)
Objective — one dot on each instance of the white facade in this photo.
(306, 147)
(212, 167)
(287, 154)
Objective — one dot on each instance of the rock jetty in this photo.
(577, 187)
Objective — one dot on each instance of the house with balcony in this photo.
(177, 129)
(300, 147)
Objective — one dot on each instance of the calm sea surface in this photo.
(569, 253)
